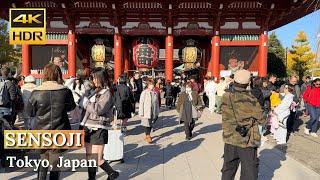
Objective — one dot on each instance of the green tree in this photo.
(276, 56)
(8, 53)
(301, 58)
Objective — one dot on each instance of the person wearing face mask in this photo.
(187, 106)
(149, 109)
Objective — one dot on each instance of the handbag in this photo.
(196, 114)
(76, 115)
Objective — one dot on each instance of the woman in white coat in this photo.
(148, 109)
(283, 111)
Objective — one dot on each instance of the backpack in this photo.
(4, 93)
(18, 102)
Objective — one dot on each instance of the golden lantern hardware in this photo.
(190, 54)
(98, 53)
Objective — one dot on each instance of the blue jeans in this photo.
(314, 118)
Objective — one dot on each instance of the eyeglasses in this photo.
(317, 84)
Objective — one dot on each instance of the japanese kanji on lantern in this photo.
(190, 54)
(145, 53)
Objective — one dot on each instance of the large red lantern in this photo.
(145, 53)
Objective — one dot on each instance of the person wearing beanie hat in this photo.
(26, 90)
(241, 115)
(242, 77)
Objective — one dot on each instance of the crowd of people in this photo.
(252, 108)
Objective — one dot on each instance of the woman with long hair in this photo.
(97, 119)
(47, 107)
(123, 101)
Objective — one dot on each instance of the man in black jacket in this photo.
(11, 92)
(138, 81)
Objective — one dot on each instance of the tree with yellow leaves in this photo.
(300, 56)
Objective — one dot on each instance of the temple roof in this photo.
(188, 17)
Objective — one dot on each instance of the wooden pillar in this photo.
(26, 59)
(71, 54)
(263, 52)
(117, 56)
(169, 58)
(215, 56)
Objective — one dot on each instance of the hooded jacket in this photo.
(49, 104)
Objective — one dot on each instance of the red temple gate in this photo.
(168, 21)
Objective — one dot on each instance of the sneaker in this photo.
(306, 131)
(313, 134)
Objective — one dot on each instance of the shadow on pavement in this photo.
(270, 161)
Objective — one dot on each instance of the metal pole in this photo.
(286, 57)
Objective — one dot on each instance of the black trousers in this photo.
(291, 121)
(169, 101)
(233, 156)
(147, 130)
(188, 127)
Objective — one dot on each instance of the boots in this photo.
(54, 175)
(92, 171)
(148, 139)
(112, 174)
(42, 173)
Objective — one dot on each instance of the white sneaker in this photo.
(306, 131)
(313, 134)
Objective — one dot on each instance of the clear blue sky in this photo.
(310, 24)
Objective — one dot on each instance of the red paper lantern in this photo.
(145, 53)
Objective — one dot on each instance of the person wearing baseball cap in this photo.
(241, 115)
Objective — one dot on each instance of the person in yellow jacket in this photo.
(275, 99)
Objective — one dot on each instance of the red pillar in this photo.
(71, 54)
(26, 60)
(215, 56)
(117, 56)
(169, 58)
(263, 52)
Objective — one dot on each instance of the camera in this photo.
(242, 130)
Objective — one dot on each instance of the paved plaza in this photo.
(171, 157)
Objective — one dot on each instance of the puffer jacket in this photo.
(49, 104)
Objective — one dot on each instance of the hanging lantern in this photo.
(190, 54)
(100, 53)
(145, 53)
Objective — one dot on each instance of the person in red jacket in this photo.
(312, 97)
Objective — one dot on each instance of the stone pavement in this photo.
(171, 157)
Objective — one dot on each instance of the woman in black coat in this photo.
(123, 101)
(48, 106)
